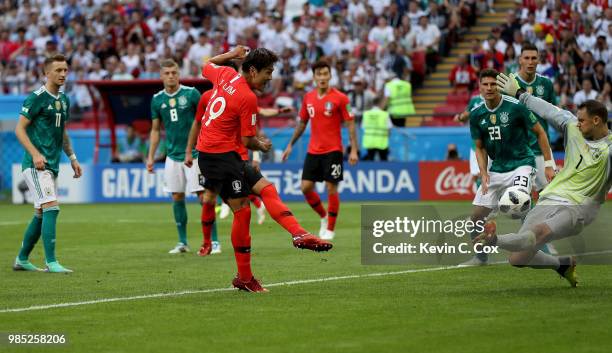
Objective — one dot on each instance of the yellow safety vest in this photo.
(400, 99)
(375, 124)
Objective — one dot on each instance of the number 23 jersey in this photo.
(504, 131)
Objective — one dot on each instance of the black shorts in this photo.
(224, 173)
(323, 167)
(252, 175)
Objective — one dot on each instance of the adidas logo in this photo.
(163, 105)
(49, 107)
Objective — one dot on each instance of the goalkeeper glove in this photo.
(508, 85)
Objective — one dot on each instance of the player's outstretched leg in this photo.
(241, 241)
(48, 230)
(565, 266)
(30, 238)
(283, 216)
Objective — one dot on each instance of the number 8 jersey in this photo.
(231, 112)
(504, 131)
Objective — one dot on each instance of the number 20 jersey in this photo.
(231, 112)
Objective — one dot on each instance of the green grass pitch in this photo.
(120, 250)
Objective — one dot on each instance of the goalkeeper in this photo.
(572, 200)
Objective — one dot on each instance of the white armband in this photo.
(550, 163)
(256, 156)
(72, 157)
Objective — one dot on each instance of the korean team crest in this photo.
(182, 101)
(329, 106)
(540, 90)
(172, 102)
(493, 119)
(504, 117)
(237, 186)
(58, 105)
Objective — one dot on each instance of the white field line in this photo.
(225, 289)
(214, 290)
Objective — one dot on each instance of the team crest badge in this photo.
(504, 117)
(493, 119)
(329, 106)
(172, 102)
(58, 105)
(540, 90)
(182, 101)
(236, 185)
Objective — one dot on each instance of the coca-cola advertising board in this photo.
(446, 180)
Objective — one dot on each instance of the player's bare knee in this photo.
(209, 197)
(260, 185)
(238, 204)
(48, 204)
(178, 196)
(516, 260)
(332, 188)
(307, 186)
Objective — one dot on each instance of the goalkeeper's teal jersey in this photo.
(540, 87)
(177, 112)
(504, 131)
(48, 115)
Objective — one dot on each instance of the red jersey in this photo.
(231, 112)
(327, 114)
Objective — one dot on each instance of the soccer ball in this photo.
(515, 202)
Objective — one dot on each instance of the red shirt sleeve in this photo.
(203, 103)
(212, 72)
(304, 111)
(248, 116)
(345, 108)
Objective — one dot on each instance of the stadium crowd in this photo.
(574, 40)
(367, 42)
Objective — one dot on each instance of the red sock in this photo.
(208, 219)
(333, 207)
(255, 200)
(241, 241)
(279, 211)
(314, 201)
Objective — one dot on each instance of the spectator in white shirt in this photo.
(379, 6)
(344, 42)
(382, 33)
(586, 41)
(186, 30)
(414, 13)
(302, 78)
(355, 8)
(275, 39)
(587, 92)
(132, 58)
(541, 12)
(200, 51)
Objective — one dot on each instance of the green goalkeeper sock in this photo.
(214, 232)
(180, 217)
(30, 237)
(49, 220)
